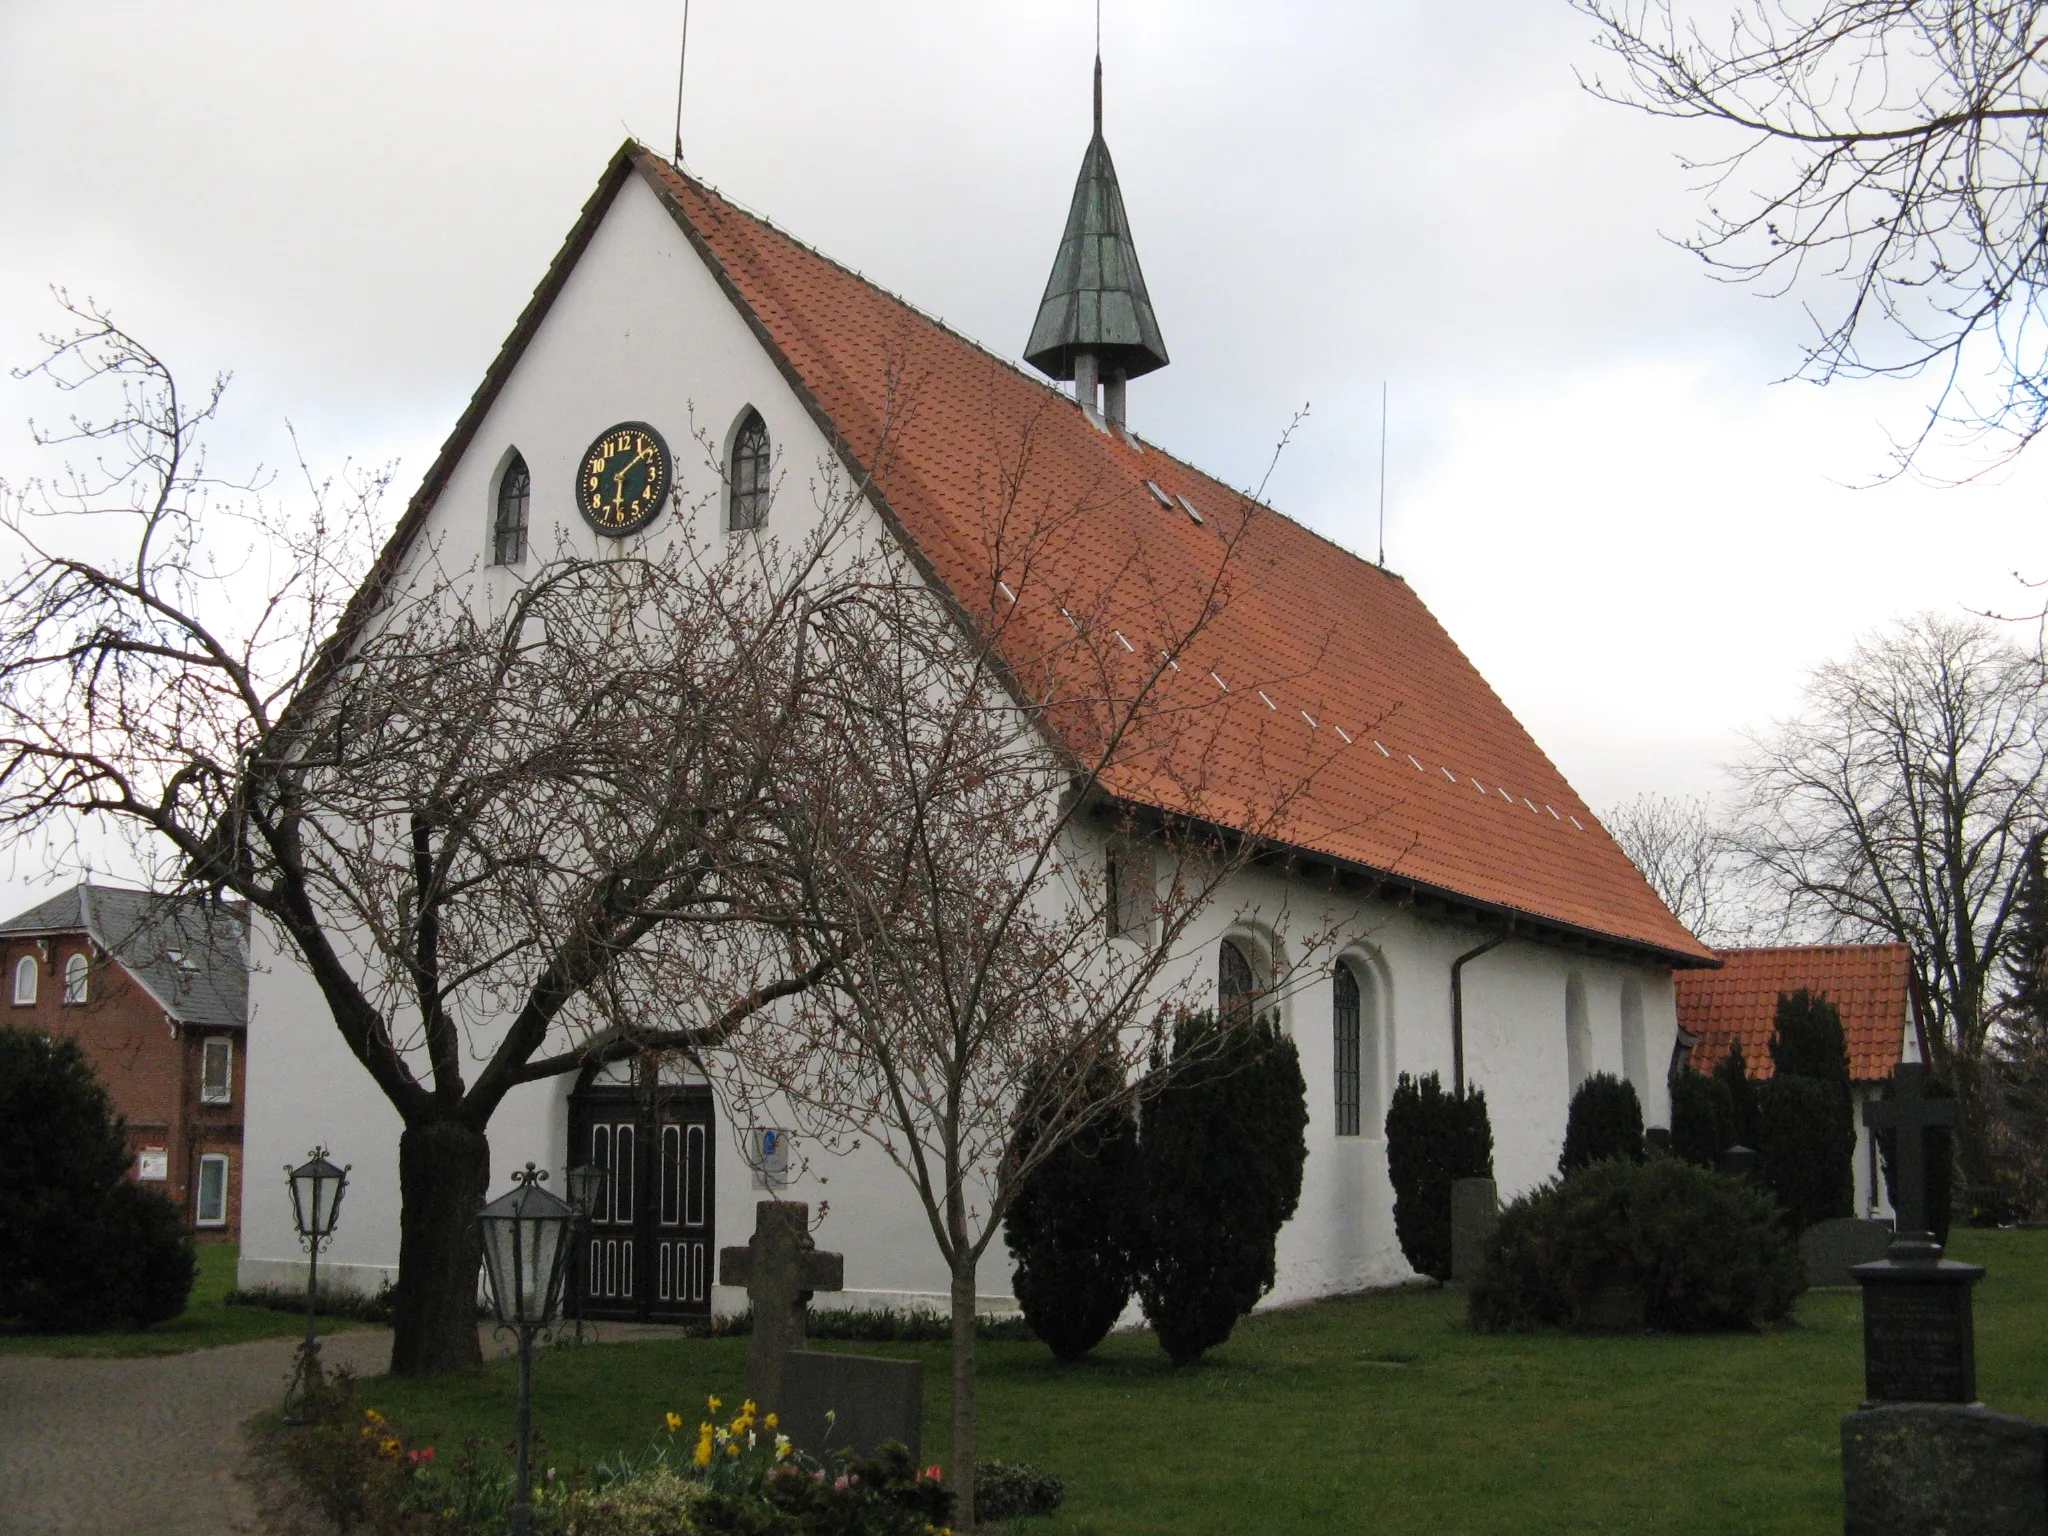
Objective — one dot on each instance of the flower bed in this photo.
(723, 1477)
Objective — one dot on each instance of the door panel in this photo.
(647, 1253)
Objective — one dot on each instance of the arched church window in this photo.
(1578, 1034)
(508, 527)
(77, 970)
(1344, 1029)
(1236, 982)
(1635, 1060)
(24, 981)
(749, 474)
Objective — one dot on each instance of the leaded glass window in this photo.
(508, 529)
(1235, 981)
(1344, 1022)
(749, 474)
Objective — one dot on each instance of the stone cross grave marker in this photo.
(1910, 1115)
(780, 1269)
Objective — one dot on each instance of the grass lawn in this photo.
(1378, 1413)
(205, 1322)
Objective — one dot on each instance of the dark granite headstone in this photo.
(1833, 1248)
(871, 1400)
(1930, 1469)
(1738, 1162)
(1918, 1342)
(1475, 1213)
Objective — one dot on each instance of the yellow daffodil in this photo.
(747, 1408)
(703, 1456)
(675, 1422)
(733, 1449)
(782, 1445)
(715, 1404)
(771, 1421)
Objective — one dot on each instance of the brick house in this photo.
(156, 991)
(1871, 986)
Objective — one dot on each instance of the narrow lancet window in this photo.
(508, 528)
(1344, 1020)
(749, 475)
(1235, 981)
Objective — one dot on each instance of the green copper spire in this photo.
(1095, 305)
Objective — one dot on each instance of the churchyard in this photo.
(1383, 1412)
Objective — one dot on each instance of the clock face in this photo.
(623, 479)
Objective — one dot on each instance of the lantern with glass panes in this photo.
(586, 1188)
(526, 1251)
(317, 1187)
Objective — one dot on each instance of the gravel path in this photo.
(144, 1447)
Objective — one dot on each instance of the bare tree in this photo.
(1899, 805)
(1896, 149)
(509, 835)
(1014, 921)
(1683, 852)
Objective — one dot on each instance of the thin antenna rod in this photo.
(1098, 68)
(1383, 473)
(682, 63)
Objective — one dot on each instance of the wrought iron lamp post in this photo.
(526, 1244)
(317, 1187)
(586, 1185)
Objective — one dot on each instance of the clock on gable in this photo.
(623, 478)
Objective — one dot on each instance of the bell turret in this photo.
(1095, 324)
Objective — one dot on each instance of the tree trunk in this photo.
(443, 1171)
(962, 1480)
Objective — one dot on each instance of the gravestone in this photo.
(1475, 1213)
(851, 1403)
(1936, 1469)
(781, 1269)
(1919, 1342)
(1834, 1247)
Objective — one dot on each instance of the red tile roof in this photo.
(1335, 669)
(1869, 983)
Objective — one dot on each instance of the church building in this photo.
(1498, 935)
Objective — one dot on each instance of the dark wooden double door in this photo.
(647, 1253)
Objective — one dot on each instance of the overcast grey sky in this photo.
(1638, 537)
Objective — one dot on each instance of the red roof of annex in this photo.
(1870, 984)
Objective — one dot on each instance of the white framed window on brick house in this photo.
(212, 1209)
(217, 1070)
(25, 981)
(77, 979)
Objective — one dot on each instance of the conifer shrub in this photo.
(1702, 1118)
(1071, 1228)
(81, 1247)
(1685, 1250)
(1938, 1141)
(1222, 1146)
(1745, 1117)
(1806, 1146)
(1433, 1138)
(1605, 1122)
